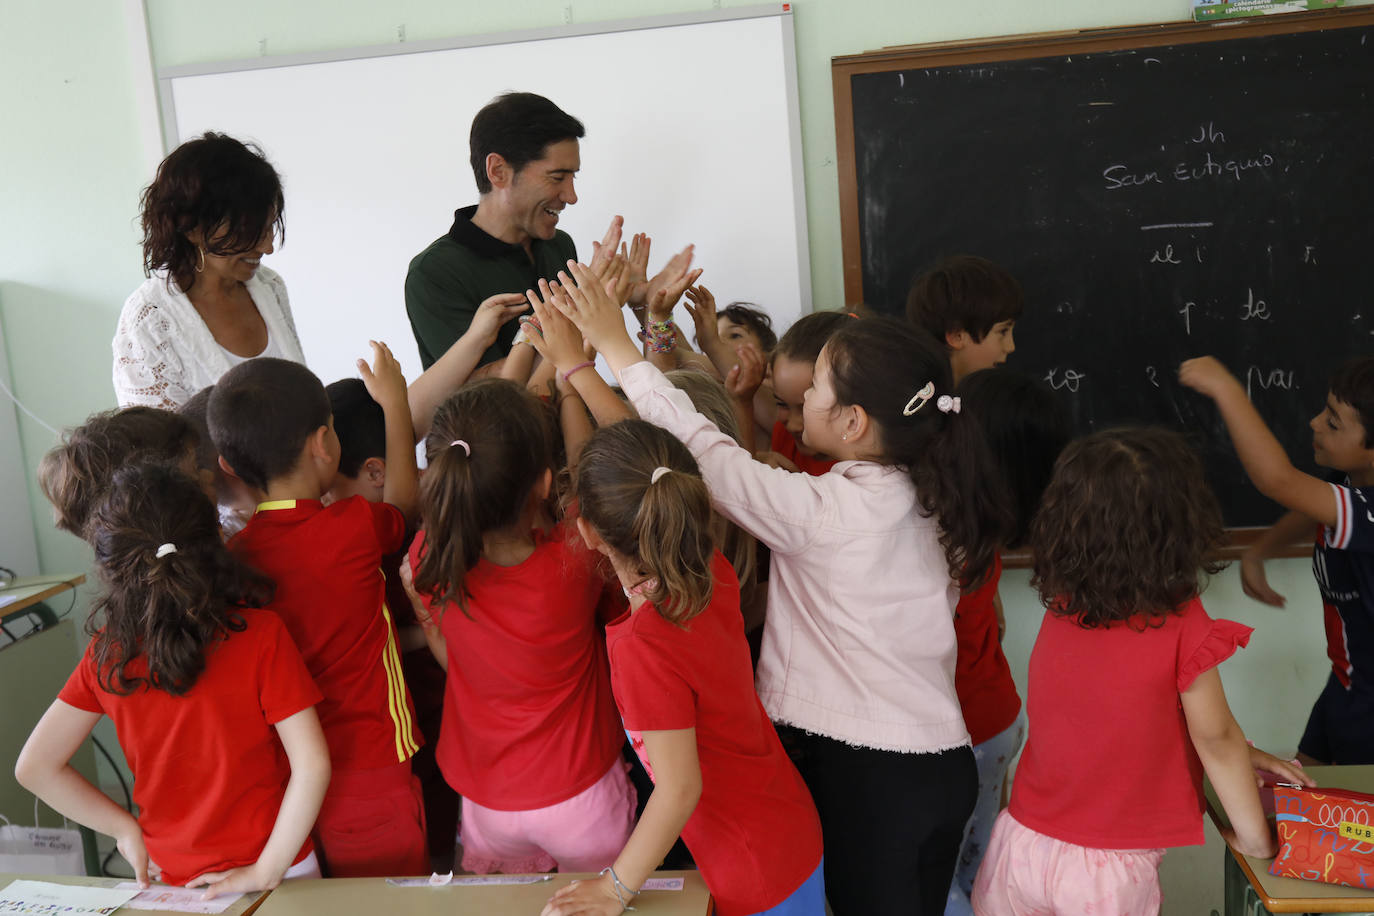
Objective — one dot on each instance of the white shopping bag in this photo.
(40, 850)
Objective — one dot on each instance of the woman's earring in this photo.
(200, 262)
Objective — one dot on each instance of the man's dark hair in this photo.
(260, 414)
(359, 422)
(517, 126)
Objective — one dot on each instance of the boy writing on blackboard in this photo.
(1342, 503)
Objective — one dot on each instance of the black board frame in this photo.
(1020, 47)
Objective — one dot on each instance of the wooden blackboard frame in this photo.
(1021, 47)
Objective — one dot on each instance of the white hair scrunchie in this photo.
(947, 404)
(165, 549)
(467, 449)
(658, 474)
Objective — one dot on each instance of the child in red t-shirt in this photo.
(530, 737)
(271, 421)
(211, 701)
(1125, 703)
(684, 684)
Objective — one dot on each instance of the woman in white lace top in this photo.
(211, 213)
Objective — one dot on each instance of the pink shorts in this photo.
(1026, 873)
(584, 833)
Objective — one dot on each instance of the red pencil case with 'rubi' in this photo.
(1324, 835)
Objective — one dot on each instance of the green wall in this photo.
(73, 94)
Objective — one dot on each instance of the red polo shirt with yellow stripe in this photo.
(331, 594)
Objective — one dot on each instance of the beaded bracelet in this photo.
(660, 336)
(615, 883)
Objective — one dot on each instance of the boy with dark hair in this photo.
(971, 305)
(76, 474)
(1341, 509)
(271, 420)
(360, 424)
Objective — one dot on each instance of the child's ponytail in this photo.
(641, 490)
(901, 378)
(488, 446)
(171, 586)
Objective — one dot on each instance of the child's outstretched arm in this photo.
(306, 751)
(1292, 529)
(1265, 460)
(559, 342)
(1226, 758)
(452, 369)
(677, 788)
(387, 386)
(742, 382)
(44, 768)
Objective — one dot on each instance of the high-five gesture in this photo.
(590, 306)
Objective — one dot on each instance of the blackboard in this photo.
(1161, 193)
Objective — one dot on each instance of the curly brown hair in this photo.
(216, 184)
(1126, 529)
(171, 609)
(75, 474)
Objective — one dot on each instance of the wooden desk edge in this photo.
(55, 588)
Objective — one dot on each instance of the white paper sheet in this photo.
(45, 898)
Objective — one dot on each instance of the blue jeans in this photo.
(806, 900)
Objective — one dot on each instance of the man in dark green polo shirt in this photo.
(524, 155)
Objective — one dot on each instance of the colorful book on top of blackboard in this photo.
(1206, 10)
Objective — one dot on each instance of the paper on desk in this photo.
(438, 880)
(42, 897)
(662, 884)
(8, 599)
(180, 899)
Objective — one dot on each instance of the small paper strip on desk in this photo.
(438, 880)
(43, 897)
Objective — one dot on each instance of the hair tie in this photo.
(918, 400)
(947, 404)
(658, 474)
(467, 449)
(165, 549)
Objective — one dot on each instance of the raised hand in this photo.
(665, 296)
(1207, 376)
(555, 337)
(701, 305)
(383, 380)
(492, 313)
(597, 315)
(605, 249)
(745, 377)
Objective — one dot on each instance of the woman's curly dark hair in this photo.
(226, 189)
(169, 610)
(1126, 529)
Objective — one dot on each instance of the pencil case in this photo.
(1325, 835)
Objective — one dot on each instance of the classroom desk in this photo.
(349, 896)
(26, 591)
(1252, 891)
(240, 907)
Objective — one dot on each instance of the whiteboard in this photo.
(692, 134)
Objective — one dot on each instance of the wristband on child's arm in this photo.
(578, 368)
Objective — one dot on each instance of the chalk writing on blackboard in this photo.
(1068, 380)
